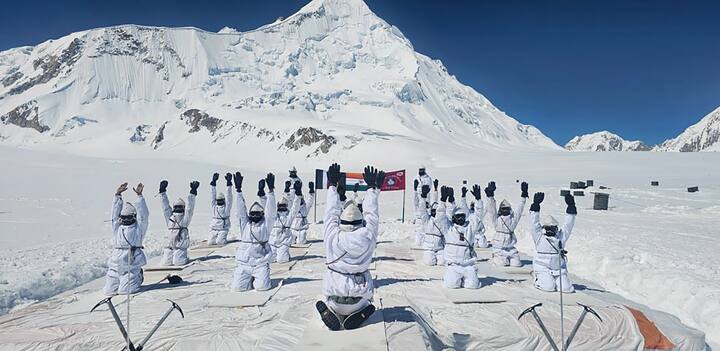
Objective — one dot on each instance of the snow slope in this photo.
(331, 79)
(702, 136)
(54, 238)
(604, 141)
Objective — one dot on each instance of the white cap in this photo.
(179, 202)
(505, 203)
(128, 209)
(351, 213)
(549, 221)
(220, 196)
(256, 207)
(283, 201)
(459, 210)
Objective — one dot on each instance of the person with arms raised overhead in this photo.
(129, 225)
(422, 179)
(350, 240)
(434, 227)
(253, 254)
(459, 249)
(177, 218)
(476, 216)
(505, 220)
(220, 207)
(300, 224)
(549, 266)
(281, 236)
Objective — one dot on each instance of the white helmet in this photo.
(549, 221)
(179, 202)
(220, 196)
(256, 212)
(128, 210)
(351, 218)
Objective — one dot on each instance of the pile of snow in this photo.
(604, 141)
(702, 136)
(334, 65)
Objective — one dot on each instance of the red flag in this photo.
(394, 180)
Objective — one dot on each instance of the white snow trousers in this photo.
(300, 236)
(174, 257)
(343, 310)
(481, 241)
(419, 232)
(433, 258)
(217, 237)
(280, 253)
(549, 280)
(507, 257)
(457, 276)
(248, 277)
(120, 280)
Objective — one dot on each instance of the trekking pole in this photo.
(562, 316)
(127, 295)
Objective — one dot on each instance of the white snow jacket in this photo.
(434, 227)
(127, 238)
(280, 233)
(177, 223)
(547, 247)
(505, 237)
(254, 249)
(220, 214)
(301, 222)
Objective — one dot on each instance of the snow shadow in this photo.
(168, 286)
(487, 281)
(390, 258)
(294, 280)
(389, 281)
(306, 257)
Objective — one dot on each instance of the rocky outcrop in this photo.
(309, 136)
(51, 66)
(197, 119)
(159, 136)
(25, 116)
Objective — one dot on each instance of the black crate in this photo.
(654, 183)
(693, 189)
(578, 193)
(600, 201)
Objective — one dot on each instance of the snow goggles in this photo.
(550, 230)
(127, 219)
(220, 202)
(178, 209)
(504, 211)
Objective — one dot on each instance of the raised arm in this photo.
(229, 201)
(536, 228)
(490, 204)
(332, 212)
(115, 211)
(143, 214)
(371, 211)
(241, 209)
(571, 213)
(520, 207)
(167, 210)
(189, 210)
(213, 196)
(295, 207)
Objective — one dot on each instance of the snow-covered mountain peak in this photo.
(701, 136)
(604, 141)
(329, 80)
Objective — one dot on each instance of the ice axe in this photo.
(139, 347)
(586, 310)
(539, 321)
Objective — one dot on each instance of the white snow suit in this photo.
(476, 225)
(548, 268)
(253, 254)
(434, 229)
(460, 255)
(220, 222)
(504, 240)
(300, 225)
(419, 225)
(349, 254)
(126, 241)
(175, 253)
(281, 234)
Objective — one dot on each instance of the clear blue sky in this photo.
(643, 69)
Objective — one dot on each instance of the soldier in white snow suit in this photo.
(292, 178)
(350, 240)
(300, 225)
(281, 234)
(476, 215)
(422, 179)
(129, 225)
(505, 220)
(177, 218)
(459, 251)
(253, 254)
(220, 207)
(549, 265)
(435, 225)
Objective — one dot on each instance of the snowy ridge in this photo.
(702, 136)
(604, 141)
(333, 69)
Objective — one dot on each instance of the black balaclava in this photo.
(220, 202)
(282, 207)
(255, 216)
(504, 211)
(178, 209)
(128, 219)
(550, 230)
(458, 218)
(421, 171)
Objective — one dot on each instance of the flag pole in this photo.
(403, 210)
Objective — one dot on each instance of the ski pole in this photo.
(539, 321)
(174, 306)
(585, 311)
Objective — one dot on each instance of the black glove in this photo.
(298, 188)
(163, 186)
(570, 201)
(476, 191)
(215, 178)
(415, 184)
(464, 191)
(443, 194)
(370, 176)
(311, 185)
(228, 179)
(380, 179)
(524, 189)
(238, 181)
(490, 189)
(341, 191)
(270, 180)
(333, 174)
(425, 191)
(537, 200)
(287, 186)
(194, 186)
(436, 183)
(356, 187)
(451, 194)
(261, 188)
